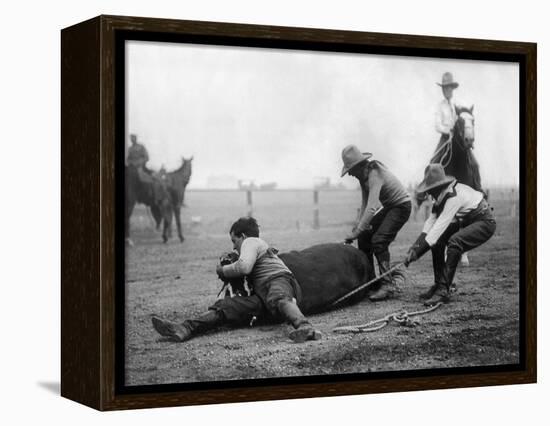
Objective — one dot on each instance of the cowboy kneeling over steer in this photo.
(461, 220)
(275, 289)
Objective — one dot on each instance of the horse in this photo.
(163, 193)
(143, 188)
(455, 154)
(175, 184)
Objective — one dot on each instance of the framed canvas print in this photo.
(254, 212)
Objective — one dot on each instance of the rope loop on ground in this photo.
(401, 317)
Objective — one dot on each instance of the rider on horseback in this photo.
(138, 155)
(445, 115)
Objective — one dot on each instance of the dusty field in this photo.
(176, 281)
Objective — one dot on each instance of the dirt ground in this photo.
(176, 281)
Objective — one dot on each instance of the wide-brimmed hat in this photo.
(447, 80)
(434, 176)
(352, 156)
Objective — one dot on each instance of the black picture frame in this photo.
(92, 299)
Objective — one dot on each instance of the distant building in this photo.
(269, 186)
(246, 185)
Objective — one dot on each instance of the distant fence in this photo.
(214, 211)
(315, 221)
(275, 209)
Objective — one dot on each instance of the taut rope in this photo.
(361, 287)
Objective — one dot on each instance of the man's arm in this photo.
(375, 185)
(452, 206)
(246, 261)
(429, 223)
(433, 229)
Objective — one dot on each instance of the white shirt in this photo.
(457, 200)
(445, 116)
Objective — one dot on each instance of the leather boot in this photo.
(388, 288)
(303, 330)
(443, 292)
(440, 295)
(189, 328)
(438, 262)
(363, 244)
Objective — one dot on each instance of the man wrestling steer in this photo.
(284, 286)
(271, 280)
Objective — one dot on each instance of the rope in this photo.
(401, 317)
(361, 287)
(448, 152)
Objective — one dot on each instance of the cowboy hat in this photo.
(447, 80)
(351, 156)
(434, 176)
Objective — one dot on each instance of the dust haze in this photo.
(271, 115)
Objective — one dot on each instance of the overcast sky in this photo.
(284, 116)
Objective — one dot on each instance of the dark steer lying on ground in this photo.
(324, 272)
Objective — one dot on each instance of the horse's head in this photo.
(464, 127)
(186, 166)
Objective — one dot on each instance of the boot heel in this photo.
(302, 335)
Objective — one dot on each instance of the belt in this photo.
(482, 209)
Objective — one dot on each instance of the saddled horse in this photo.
(142, 188)
(455, 154)
(175, 184)
(162, 193)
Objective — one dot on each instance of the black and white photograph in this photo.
(294, 213)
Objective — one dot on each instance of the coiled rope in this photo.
(402, 317)
(447, 152)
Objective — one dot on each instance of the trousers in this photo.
(384, 227)
(459, 239)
